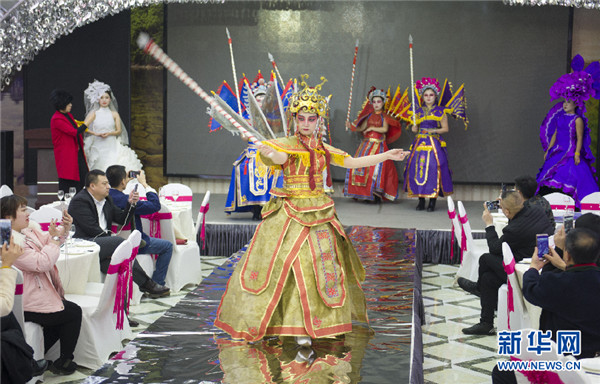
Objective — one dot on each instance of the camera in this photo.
(492, 205)
(133, 174)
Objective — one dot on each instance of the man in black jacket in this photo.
(524, 222)
(93, 212)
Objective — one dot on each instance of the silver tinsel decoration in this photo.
(589, 4)
(31, 26)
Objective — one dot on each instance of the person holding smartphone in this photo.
(117, 177)
(44, 302)
(524, 223)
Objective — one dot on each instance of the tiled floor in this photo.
(146, 313)
(450, 356)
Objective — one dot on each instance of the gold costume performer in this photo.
(301, 275)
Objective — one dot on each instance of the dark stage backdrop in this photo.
(508, 57)
(96, 51)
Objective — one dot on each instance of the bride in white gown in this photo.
(106, 142)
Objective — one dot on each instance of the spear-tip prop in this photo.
(351, 84)
(412, 79)
(272, 60)
(149, 47)
(237, 91)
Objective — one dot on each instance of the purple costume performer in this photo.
(568, 165)
(427, 173)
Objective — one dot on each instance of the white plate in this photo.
(591, 364)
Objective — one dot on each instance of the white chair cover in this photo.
(146, 262)
(99, 337)
(185, 192)
(44, 216)
(34, 333)
(519, 318)
(469, 268)
(559, 202)
(184, 267)
(5, 191)
(453, 216)
(202, 215)
(591, 203)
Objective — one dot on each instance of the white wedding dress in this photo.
(101, 153)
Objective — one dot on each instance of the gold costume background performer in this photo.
(300, 275)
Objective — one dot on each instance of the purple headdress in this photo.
(579, 85)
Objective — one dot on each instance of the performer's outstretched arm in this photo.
(397, 154)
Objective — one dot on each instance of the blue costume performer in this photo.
(427, 173)
(565, 135)
(251, 182)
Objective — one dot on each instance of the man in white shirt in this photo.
(93, 213)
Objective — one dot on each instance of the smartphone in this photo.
(133, 174)
(5, 232)
(135, 187)
(568, 223)
(542, 245)
(492, 205)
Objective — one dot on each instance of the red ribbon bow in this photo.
(155, 219)
(510, 269)
(124, 286)
(452, 216)
(463, 239)
(203, 210)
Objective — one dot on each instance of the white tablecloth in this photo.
(533, 310)
(78, 265)
(183, 222)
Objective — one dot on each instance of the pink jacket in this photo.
(42, 289)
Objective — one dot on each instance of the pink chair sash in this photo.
(540, 377)
(509, 269)
(590, 207)
(179, 198)
(463, 239)
(561, 207)
(19, 289)
(203, 210)
(452, 216)
(124, 286)
(155, 219)
(45, 226)
(115, 228)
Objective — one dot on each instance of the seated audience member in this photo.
(527, 186)
(524, 222)
(93, 213)
(8, 276)
(43, 295)
(556, 262)
(117, 177)
(570, 298)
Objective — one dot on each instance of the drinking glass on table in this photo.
(68, 197)
(73, 191)
(175, 194)
(71, 233)
(60, 194)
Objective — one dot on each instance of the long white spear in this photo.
(149, 47)
(412, 80)
(351, 83)
(272, 60)
(235, 83)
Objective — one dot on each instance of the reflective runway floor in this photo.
(183, 346)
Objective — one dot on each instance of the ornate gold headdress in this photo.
(308, 99)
